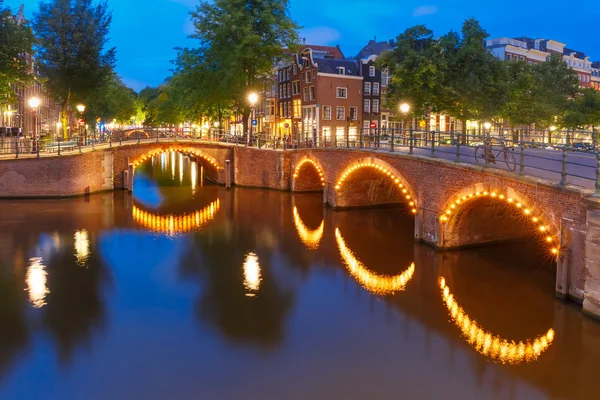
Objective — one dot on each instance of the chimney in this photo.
(375, 38)
(303, 41)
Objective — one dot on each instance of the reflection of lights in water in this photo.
(201, 175)
(194, 175)
(490, 345)
(180, 168)
(36, 282)
(311, 239)
(173, 164)
(175, 224)
(163, 161)
(82, 246)
(251, 274)
(374, 283)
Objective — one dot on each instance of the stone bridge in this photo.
(453, 205)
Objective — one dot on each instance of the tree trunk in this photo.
(64, 111)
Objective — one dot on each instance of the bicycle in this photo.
(484, 154)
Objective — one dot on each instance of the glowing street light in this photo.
(404, 108)
(487, 126)
(34, 102)
(81, 108)
(252, 99)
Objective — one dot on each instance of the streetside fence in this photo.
(567, 158)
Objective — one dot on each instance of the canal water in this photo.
(188, 291)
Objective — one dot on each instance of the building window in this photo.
(367, 88)
(327, 133)
(385, 77)
(307, 76)
(326, 112)
(288, 90)
(305, 94)
(312, 93)
(281, 109)
(340, 113)
(314, 74)
(508, 57)
(294, 69)
(341, 70)
(340, 133)
(296, 87)
(375, 106)
(270, 108)
(342, 93)
(353, 113)
(371, 71)
(297, 108)
(367, 106)
(376, 89)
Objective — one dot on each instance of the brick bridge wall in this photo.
(473, 201)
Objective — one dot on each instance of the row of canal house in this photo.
(319, 95)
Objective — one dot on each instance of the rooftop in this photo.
(375, 48)
(332, 67)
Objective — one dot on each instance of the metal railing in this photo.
(566, 158)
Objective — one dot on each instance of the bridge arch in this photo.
(482, 213)
(141, 131)
(181, 149)
(371, 181)
(309, 176)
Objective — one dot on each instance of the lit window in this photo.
(297, 108)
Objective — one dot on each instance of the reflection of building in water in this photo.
(82, 246)
(374, 283)
(490, 345)
(252, 276)
(36, 282)
(310, 238)
(176, 224)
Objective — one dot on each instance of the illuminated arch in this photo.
(384, 169)
(493, 346)
(516, 202)
(307, 162)
(181, 149)
(374, 283)
(176, 224)
(310, 238)
(128, 133)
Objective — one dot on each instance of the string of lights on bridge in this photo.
(179, 149)
(490, 345)
(314, 164)
(384, 172)
(544, 229)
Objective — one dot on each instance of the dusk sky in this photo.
(146, 31)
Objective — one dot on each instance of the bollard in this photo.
(432, 144)
(138, 133)
(17, 148)
(59, 147)
(228, 174)
(110, 141)
(348, 139)
(522, 160)
(37, 148)
(360, 137)
(457, 142)
(410, 141)
(597, 191)
(563, 174)
(392, 143)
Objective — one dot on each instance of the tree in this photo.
(16, 41)
(583, 111)
(114, 101)
(72, 37)
(244, 39)
(473, 87)
(416, 67)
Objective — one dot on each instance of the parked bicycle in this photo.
(484, 154)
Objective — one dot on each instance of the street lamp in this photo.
(404, 109)
(252, 99)
(34, 103)
(81, 109)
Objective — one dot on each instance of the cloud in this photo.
(425, 10)
(320, 35)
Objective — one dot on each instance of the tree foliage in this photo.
(72, 39)
(16, 41)
(113, 101)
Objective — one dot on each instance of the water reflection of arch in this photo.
(174, 224)
(374, 283)
(493, 346)
(310, 238)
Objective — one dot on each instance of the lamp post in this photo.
(404, 109)
(81, 109)
(252, 99)
(34, 103)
